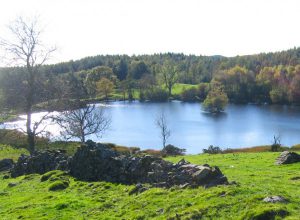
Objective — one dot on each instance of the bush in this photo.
(212, 150)
(275, 147)
(189, 95)
(171, 150)
(157, 95)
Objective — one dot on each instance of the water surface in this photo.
(133, 124)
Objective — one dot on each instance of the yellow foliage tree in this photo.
(105, 87)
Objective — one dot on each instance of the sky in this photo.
(81, 28)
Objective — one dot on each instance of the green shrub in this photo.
(189, 95)
(213, 150)
(171, 150)
(58, 185)
(157, 95)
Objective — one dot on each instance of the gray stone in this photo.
(40, 162)
(275, 199)
(6, 177)
(12, 184)
(94, 162)
(287, 157)
(6, 164)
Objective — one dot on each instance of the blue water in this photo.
(133, 124)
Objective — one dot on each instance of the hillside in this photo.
(255, 176)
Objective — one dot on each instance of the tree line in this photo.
(271, 77)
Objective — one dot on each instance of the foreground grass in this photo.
(255, 174)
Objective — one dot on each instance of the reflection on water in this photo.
(191, 128)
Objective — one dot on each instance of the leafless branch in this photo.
(161, 123)
(81, 123)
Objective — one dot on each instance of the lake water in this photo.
(133, 124)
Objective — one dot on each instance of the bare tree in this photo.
(161, 123)
(81, 123)
(276, 143)
(25, 48)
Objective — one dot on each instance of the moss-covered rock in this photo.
(58, 185)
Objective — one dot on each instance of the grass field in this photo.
(255, 174)
(176, 90)
(179, 87)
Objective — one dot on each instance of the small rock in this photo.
(161, 211)
(295, 178)
(6, 177)
(12, 184)
(275, 199)
(139, 188)
(182, 162)
(222, 194)
(184, 186)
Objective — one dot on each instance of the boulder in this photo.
(287, 157)
(40, 162)
(94, 162)
(6, 164)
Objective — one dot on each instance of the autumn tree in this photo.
(96, 74)
(105, 87)
(215, 101)
(25, 48)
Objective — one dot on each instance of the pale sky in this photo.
(81, 28)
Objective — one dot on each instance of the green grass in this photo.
(11, 152)
(179, 87)
(176, 90)
(255, 174)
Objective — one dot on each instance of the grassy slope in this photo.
(256, 174)
(10, 152)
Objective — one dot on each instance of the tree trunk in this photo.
(170, 90)
(29, 100)
(82, 133)
(30, 134)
